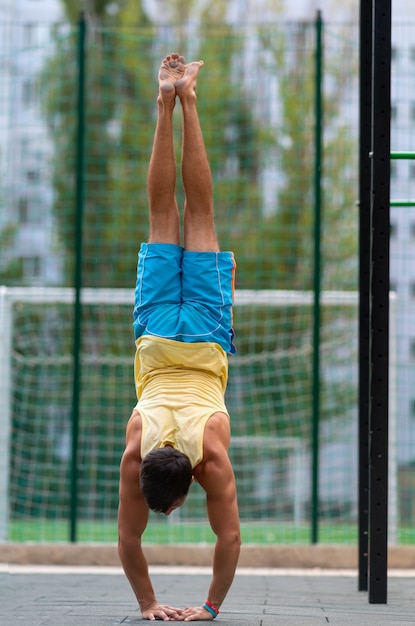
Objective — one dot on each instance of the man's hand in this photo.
(163, 612)
(195, 614)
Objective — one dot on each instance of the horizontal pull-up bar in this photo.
(410, 156)
(406, 203)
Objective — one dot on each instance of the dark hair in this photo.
(165, 477)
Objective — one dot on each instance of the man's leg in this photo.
(199, 228)
(161, 181)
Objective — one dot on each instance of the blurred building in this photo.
(26, 191)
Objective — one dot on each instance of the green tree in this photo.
(122, 57)
(11, 268)
(282, 241)
(11, 271)
(118, 67)
(292, 223)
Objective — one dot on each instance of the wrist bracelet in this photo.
(211, 608)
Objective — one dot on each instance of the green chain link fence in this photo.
(74, 210)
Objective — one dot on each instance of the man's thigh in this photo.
(159, 280)
(208, 278)
(207, 293)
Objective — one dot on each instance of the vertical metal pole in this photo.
(365, 126)
(79, 208)
(379, 305)
(317, 275)
(6, 332)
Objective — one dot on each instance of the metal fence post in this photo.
(379, 304)
(318, 163)
(365, 116)
(79, 207)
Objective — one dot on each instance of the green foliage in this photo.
(119, 87)
(11, 271)
(291, 226)
(121, 69)
(281, 244)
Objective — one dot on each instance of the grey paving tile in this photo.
(46, 599)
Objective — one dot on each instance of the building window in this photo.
(412, 348)
(394, 53)
(33, 176)
(23, 210)
(412, 408)
(27, 92)
(29, 34)
(36, 210)
(394, 112)
(412, 229)
(24, 149)
(30, 93)
(412, 170)
(29, 210)
(393, 230)
(394, 170)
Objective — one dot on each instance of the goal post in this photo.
(268, 396)
(5, 412)
(10, 296)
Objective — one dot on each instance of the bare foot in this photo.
(186, 85)
(171, 70)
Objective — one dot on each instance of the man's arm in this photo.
(217, 478)
(223, 516)
(132, 521)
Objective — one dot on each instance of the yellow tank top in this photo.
(179, 386)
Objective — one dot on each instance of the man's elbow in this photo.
(232, 538)
(127, 543)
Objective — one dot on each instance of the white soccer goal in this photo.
(268, 396)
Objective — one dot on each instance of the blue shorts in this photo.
(183, 295)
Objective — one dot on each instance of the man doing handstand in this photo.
(179, 430)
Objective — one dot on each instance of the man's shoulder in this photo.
(133, 436)
(216, 436)
(134, 422)
(214, 472)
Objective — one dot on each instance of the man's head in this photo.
(165, 478)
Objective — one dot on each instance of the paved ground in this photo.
(42, 596)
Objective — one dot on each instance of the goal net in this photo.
(269, 397)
